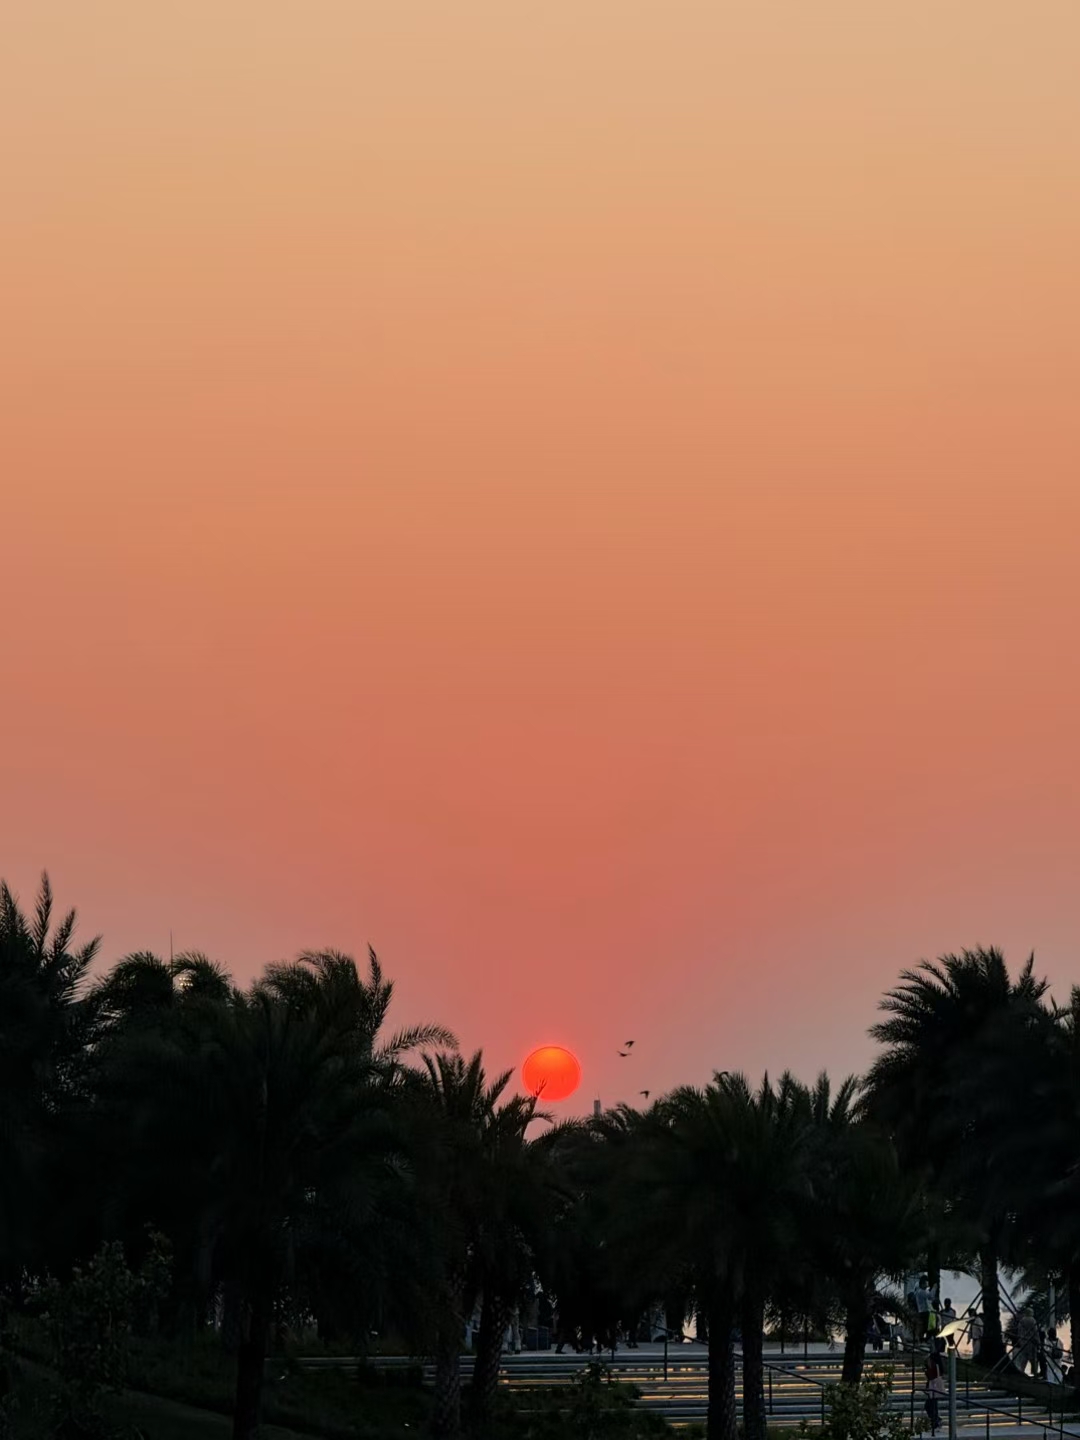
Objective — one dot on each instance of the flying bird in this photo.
(624, 1053)
(629, 1044)
(644, 1092)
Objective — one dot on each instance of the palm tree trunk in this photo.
(446, 1412)
(232, 1316)
(494, 1318)
(675, 1308)
(755, 1420)
(933, 1267)
(446, 1409)
(856, 1320)
(250, 1369)
(723, 1419)
(993, 1345)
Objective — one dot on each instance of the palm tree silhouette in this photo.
(944, 1087)
(45, 1026)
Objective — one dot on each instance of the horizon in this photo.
(579, 1099)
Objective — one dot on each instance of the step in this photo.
(793, 1388)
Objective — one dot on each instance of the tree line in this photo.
(302, 1165)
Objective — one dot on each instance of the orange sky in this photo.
(584, 496)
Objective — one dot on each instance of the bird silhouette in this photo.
(624, 1053)
(644, 1092)
(629, 1044)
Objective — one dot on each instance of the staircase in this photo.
(795, 1388)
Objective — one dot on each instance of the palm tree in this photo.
(1045, 1152)
(475, 1168)
(589, 1266)
(354, 1008)
(145, 1007)
(142, 987)
(44, 1028)
(266, 1118)
(717, 1194)
(946, 1089)
(866, 1218)
(511, 1234)
(275, 1120)
(329, 983)
(1060, 1137)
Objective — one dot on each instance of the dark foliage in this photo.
(319, 1182)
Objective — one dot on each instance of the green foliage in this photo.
(90, 1321)
(861, 1412)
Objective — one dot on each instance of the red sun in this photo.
(552, 1072)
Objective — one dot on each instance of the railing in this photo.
(792, 1368)
(970, 1405)
(795, 1387)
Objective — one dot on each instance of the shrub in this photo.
(90, 1321)
(594, 1406)
(862, 1412)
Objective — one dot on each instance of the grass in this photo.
(131, 1412)
(179, 1390)
(161, 1419)
(332, 1404)
(187, 1390)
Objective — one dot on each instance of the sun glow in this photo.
(551, 1072)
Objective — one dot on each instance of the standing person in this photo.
(975, 1331)
(947, 1315)
(935, 1384)
(1055, 1353)
(1026, 1344)
(922, 1300)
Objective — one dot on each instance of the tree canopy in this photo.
(285, 1158)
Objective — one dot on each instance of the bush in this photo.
(594, 1406)
(90, 1321)
(861, 1412)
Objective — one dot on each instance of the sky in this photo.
(584, 498)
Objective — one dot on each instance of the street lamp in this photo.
(949, 1333)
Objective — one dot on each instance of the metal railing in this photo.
(795, 1387)
(971, 1405)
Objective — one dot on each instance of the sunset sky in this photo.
(584, 496)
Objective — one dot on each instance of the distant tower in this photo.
(596, 1108)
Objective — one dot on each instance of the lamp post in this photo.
(950, 1333)
(952, 1392)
